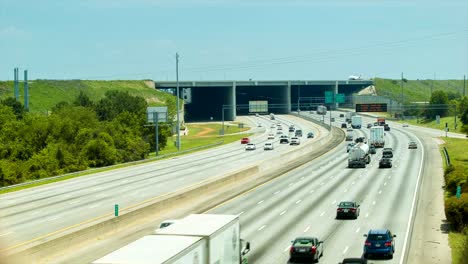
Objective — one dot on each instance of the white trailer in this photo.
(359, 156)
(222, 233)
(377, 136)
(321, 110)
(356, 122)
(156, 249)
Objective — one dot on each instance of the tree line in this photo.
(75, 136)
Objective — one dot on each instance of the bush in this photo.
(454, 176)
(456, 211)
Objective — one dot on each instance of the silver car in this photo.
(268, 146)
(250, 146)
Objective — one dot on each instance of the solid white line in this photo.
(262, 227)
(322, 213)
(74, 202)
(345, 249)
(358, 229)
(93, 206)
(413, 204)
(260, 202)
(6, 234)
(298, 201)
(307, 229)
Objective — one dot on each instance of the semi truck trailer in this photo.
(356, 122)
(377, 136)
(359, 156)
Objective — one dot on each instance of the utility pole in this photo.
(401, 83)
(464, 82)
(432, 84)
(298, 98)
(177, 105)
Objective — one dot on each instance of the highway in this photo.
(34, 213)
(303, 203)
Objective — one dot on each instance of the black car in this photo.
(344, 125)
(310, 135)
(386, 127)
(354, 261)
(360, 139)
(306, 248)
(372, 150)
(341, 115)
(387, 153)
(347, 209)
(385, 163)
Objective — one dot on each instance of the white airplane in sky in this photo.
(354, 77)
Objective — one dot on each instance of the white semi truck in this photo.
(359, 156)
(195, 239)
(377, 136)
(160, 249)
(356, 122)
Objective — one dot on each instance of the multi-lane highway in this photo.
(303, 203)
(34, 213)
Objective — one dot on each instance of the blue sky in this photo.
(234, 39)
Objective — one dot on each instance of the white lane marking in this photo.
(94, 206)
(345, 249)
(302, 177)
(262, 227)
(380, 191)
(373, 202)
(312, 191)
(52, 218)
(74, 202)
(322, 183)
(240, 213)
(413, 204)
(291, 184)
(181, 179)
(277, 192)
(124, 181)
(282, 213)
(298, 201)
(6, 234)
(34, 213)
(287, 248)
(322, 213)
(353, 183)
(260, 202)
(307, 229)
(334, 202)
(345, 190)
(367, 215)
(358, 229)
(390, 177)
(385, 183)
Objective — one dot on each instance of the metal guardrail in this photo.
(109, 167)
(447, 157)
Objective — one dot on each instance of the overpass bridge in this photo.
(205, 99)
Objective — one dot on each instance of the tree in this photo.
(83, 100)
(117, 102)
(438, 99)
(16, 106)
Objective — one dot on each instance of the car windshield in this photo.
(346, 204)
(375, 237)
(304, 242)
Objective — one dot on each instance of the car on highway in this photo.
(349, 129)
(354, 261)
(284, 139)
(360, 139)
(298, 133)
(372, 150)
(379, 242)
(245, 140)
(387, 153)
(272, 126)
(250, 146)
(271, 136)
(369, 125)
(385, 163)
(291, 129)
(268, 146)
(386, 127)
(310, 135)
(405, 125)
(341, 115)
(347, 209)
(350, 146)
(279, 132)
(306, 248)
(344, 125)
(279, 127)
(259, 125)
(412, 145)
(295, 141)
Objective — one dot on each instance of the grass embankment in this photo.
(199, 135)
(415, 90)
(45, 94)
(457, 175)
(450, 120)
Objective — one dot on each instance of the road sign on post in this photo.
(340, 98)
(458, 192)
(329, 97)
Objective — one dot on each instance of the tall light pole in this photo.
(177, 104)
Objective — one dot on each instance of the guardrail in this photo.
(110, 167)
(447, 157)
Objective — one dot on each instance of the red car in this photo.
(245, 141)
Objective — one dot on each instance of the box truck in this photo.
(349, 116)
(377, 138)
(221, 232)
(356, 122)
(156, 249)
(358, 156)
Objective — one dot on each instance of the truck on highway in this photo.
(356, 122)
(358, 156)
(349, 136)
(272, 116)
(377, 137)
(221, 233)
(381, 121)
(160, 249)
(349, 116)
(321, 110)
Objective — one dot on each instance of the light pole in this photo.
(177, 104)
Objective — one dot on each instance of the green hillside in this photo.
(44, 94)
(415, 90)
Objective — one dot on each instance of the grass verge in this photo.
(458, 244)
(450, 120)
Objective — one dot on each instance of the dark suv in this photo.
(387, 153)
(379, 242)
(306, 248)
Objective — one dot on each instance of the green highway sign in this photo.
(340, 98)
(329, 97)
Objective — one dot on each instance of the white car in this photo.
(260, 125)
(268, 146)
(273, 126)
(295, 141)
(280, 128)
(250, 146)
(271, 136)
(405, 125)
(279, 132)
